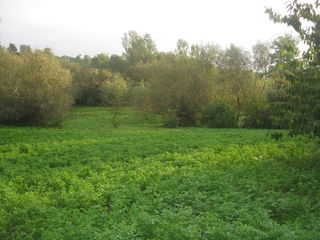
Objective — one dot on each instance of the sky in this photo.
(73, 27)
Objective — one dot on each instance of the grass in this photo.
(87, 180)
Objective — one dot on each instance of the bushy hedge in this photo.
(273, 112)
(257, 114)
(219, 115)
(34, 88)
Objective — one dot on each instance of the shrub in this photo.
(139, 96)
(181, 84)
(34, 88)
(257, 114)
(86, 83)
(280, 109)
(276, 135)
(220, 115)
(171, 119)
(113, 92)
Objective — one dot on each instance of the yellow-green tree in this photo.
(181, 85)
(113, 94)
(34, 88)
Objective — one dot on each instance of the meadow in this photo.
(88, 180)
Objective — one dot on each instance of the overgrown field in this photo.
(87, 180)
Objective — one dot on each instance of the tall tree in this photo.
(117, 64)
(100, 61)
(303, 75)
(207, 55)
(180, 84)
(34, 88)
(25, 49)
(261, 57)
(138, 49)
(12, 47)
(304, 18)
(285, 50)
(235, 75)
(182, 48)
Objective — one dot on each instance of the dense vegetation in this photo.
(35, 89)
(88, 180)
(109, 170)
(273, 86)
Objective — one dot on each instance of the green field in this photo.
(87, 180)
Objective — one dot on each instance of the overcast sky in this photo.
(73, 27)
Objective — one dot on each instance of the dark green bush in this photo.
(171, 119)
(220, 115)
(280, 109)
(257, 114)
(276, 136)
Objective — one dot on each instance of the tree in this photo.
(12, 47)
(25, 49)
(298, 14)
(181, 86)
(285, 50)
(34, 88)
(100, 61)
(219, 115)
(303, 75)
(182, 48)
(118, 64)
(261, 57)
(113, 94)
(236, 58)
(235, 76)
(284, 59)
(207, 55)
(139, 51)
(86, 82)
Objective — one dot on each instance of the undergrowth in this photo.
(88, 180)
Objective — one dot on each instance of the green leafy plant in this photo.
(219, 115)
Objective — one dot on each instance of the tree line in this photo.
(271, 86)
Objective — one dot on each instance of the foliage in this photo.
(257, 114)
(34, 88)
(113, 94)
(184, 82)
(118, 64)
(261, 57)
(139, 96)
(208, 55)
(113, 91)
(171, 119)
(279, 109)
(219, 115)
(237, 82)
(273, 111)
(180, 84)
(138, 48)
(276, 135)
(89, 181)
(101, 61)
(285, 51)
(25, 49)
(86, 82)
(303, 74)
(138, 51)
(12, 47)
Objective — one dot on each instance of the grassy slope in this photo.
(87, 180)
